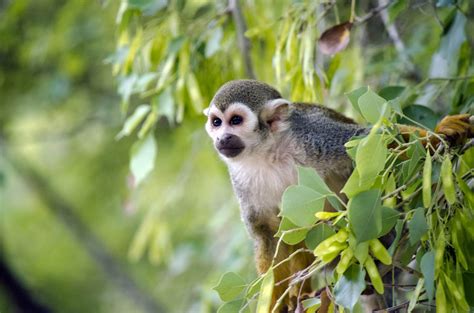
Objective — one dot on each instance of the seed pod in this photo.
(346, 257)
(333, 251)
(324, 245)
(342, 235)
(328, 257)
(427, 181)
(447, 179)
(374, 274)
(378, 250)
(326, 215)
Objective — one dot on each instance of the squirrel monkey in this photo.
(263, 138)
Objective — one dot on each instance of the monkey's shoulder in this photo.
(322, 131)
(313, 110)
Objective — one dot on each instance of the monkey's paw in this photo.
(456, 128)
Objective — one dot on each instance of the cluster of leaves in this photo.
(410, 192)
(168, 50)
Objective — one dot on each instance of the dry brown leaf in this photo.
(335, 38)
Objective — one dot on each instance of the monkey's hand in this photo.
(456, 128)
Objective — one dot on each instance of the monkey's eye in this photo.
(216, 122)
(236, 120)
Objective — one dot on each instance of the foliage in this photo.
(425, 219)
(171, 58)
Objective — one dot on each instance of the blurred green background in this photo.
(68, 213)
(76, 233)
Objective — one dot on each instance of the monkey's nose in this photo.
(226, 139)
(230, 145)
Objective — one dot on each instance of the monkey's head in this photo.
(244, 117)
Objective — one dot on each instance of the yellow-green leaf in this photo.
(266, 291)
(447, 180)
(427, 181)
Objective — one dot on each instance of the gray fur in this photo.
(251, 92)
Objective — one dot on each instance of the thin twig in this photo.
(244, 43)
(401, 188)
(372, 13)
(408, 199)
(393, 308)
(451, 78)
(397, 41)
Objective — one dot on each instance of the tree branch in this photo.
(371, 13)
(244, 43)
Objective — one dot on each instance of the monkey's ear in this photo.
(275, 114)
(206, 111)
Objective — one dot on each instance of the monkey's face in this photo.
(238, 131)
(243, 118)
(234, 130)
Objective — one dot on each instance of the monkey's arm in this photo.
(455, 128)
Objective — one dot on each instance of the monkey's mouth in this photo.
(230, 152)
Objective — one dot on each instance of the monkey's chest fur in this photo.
(260, 181)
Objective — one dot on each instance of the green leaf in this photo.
(447, 180)
(316, 235)
(165, 105)
(370, 158)
(391, 92)
(300, 203)
(233, 307)
(288, 232)
(353, 185)
(144, 81)
(214, 42)
(354, 97)
(421, 114)
(133, 120)
(147, 7)
(415, 154)
(427, 268)
(349, 287)
(427, 181)
(444, 62)
(389, 219)
(395, 105)
(126, 88)
(365, 215)
(417, 226)
(311, 305)
(310, 178)
(143, 158)
(230, 286)
(372, 106)
(175, 45)
(254, 287)
(266, 291)
(194, 93)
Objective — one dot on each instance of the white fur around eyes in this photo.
(244, 130)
